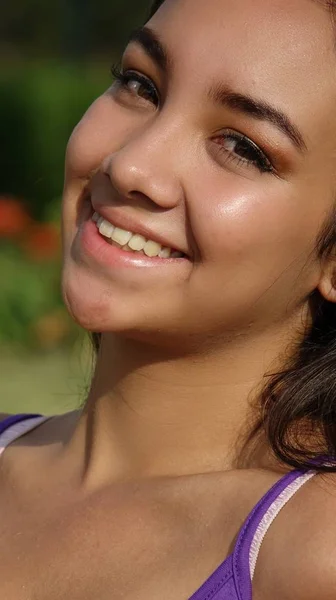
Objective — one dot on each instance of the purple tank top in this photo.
(232, 580)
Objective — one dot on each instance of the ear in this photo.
(327, 284)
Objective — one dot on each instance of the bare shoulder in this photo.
(298, 556)
(52, 429)
(56, 428)
(31, 452)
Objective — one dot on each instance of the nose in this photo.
(145, 168)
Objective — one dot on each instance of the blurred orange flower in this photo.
(43, 242)
(14, 219)
(52, 329)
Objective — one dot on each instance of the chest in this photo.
(114, 546)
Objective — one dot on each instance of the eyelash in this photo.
(260, 160)
(124, 78)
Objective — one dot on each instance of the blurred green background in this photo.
(55, 59)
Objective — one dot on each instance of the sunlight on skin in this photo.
(245, 209)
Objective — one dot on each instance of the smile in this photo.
(132, 242)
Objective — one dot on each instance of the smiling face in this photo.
(218, 140)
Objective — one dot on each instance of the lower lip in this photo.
(97, 247)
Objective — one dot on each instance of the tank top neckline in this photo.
(239, 565)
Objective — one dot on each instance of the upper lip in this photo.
(126, 222)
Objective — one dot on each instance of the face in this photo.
(218, 142)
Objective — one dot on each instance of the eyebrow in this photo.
(259, 109)
(145, 37)
(222, 94)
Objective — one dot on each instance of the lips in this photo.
(132, 242)
(91, 248)
(128, 223)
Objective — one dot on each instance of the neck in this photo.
(150, 413)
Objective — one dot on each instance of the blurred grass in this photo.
(49, 383)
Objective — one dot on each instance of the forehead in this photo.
(283, 51)
(255, 40)
(293, 26)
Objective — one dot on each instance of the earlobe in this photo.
(327, 285)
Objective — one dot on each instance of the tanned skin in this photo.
(141, 493)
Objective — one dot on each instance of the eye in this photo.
(136, 85)
(242, 150)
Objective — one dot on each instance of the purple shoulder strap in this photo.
(279, 494)
(239, 563)
(13, 419)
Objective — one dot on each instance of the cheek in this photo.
(103, 129)
(255, 236)
(241, 216)
(229, 216)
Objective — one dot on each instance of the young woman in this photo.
(199, 224)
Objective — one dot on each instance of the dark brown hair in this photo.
(298, 404)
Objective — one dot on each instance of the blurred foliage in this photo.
(31, 311)
(68, 28)
(39, 106)
(31, 307)
(55, 58)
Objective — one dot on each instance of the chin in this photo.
(91, 305)
(98, 306)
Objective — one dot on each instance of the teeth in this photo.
(106, 228)
(152, 249)
(165, 253)
(130, 242)
(137, 242)
(121, 236)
